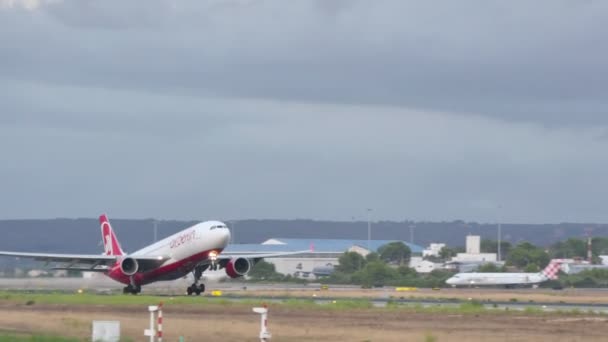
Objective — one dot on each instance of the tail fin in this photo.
(551, 271)
(111, 245)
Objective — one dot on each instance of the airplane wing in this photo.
(253, 255)
(106, 260)
(94, 260)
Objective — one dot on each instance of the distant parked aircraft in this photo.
(194, 249)
(506, 279)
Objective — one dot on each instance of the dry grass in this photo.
(211, 321)
(239, 323)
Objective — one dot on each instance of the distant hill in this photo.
(83, 235)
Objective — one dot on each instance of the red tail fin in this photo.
(552, 269)
(111, 245)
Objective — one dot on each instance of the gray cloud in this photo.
(539, 61)
(304, 109)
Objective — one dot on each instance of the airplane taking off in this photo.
(506, 279)
(193, 250)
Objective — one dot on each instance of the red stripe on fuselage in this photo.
(181, 267)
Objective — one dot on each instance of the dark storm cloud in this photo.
(541, 61)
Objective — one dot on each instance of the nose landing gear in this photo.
(213, 258)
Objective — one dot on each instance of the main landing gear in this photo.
(131, 289)
(196, 287)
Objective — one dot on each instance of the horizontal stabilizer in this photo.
(81, 269)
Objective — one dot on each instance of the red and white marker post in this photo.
(264, 333)
(155, 334)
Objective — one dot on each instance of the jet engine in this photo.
(129, 266)
(238, 267)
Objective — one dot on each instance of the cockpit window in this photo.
(220, 226)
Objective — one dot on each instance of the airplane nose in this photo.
(226, 237)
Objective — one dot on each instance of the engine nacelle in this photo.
(238, 267)
(129, 266)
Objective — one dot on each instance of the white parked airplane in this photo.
(506, 279)
(194, 249)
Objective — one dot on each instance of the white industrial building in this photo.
(473, 252)
(574, 266)
(424, 266)
(433, 250)
(318, 256)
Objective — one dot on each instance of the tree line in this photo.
(389, 265)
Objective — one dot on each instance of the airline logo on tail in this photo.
(110, 242)
(550, 272)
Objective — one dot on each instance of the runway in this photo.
(584, 300)
(100, 283)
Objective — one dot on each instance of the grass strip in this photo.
(35, 338)
(464, 308)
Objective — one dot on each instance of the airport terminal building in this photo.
(318, 257)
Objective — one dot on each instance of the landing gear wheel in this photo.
(199, 289)
(131, 289)
(195, 289)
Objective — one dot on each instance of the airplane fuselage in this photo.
(493, 279)
(184, 250)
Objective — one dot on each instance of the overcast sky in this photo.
(475, 110)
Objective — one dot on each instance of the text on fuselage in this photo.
(183, 239)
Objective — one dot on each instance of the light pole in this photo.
(412, 233)
(499, 244)
(233, 231)
(369, 229)
(155, 230)
(498, 249)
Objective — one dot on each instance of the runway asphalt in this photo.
(102, 283)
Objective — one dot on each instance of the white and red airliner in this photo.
(507, 279)
(193, 250)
